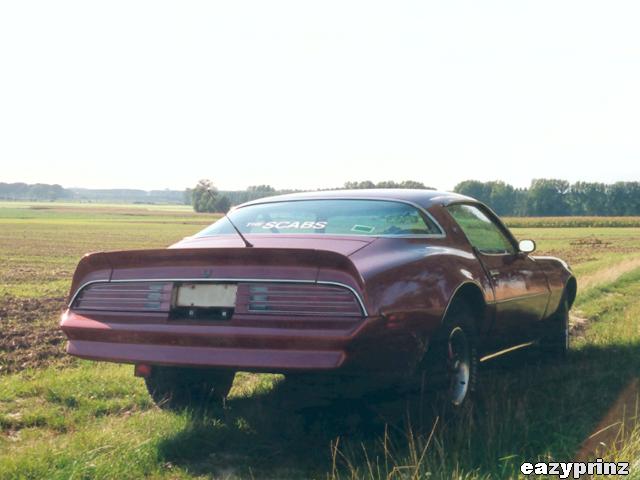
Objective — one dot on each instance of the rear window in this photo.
(330, 217)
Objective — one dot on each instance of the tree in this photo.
(548, 197)
(223, 204)
(204, 196)
(258, 191)
(623, 198)
(587, 198)
(520, 197)
(502, 197)
(475, 189)
(188, 196)
(386, 184)
(359, 185)
(262, 189)
(414, 184)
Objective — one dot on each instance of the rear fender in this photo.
(471, 293)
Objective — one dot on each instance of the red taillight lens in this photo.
(142, 370)
(125, 297)
(296, 299)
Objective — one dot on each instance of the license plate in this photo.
(206, 295)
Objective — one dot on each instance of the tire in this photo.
(450, 367)
(178, 388)
(555, 341)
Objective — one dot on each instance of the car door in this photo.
(520, 287)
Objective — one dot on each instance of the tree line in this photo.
(544, 197)
(547, 197)
(43, 192)
(205, 197)
(38, 191)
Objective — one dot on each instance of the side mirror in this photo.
(526, 246)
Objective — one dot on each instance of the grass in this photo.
(76, 419)
(535, 413)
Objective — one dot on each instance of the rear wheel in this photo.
(178, 388)
(450, 368)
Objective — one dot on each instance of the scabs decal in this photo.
(309, 225)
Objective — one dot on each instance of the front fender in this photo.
(559, 275)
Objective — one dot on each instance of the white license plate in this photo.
(206, 295)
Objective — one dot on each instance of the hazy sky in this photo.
(303, 94)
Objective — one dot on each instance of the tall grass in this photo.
(538, 413)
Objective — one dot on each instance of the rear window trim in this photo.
(420, 209)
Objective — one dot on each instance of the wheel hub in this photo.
(459, 362)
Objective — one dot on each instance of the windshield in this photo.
(330, 217)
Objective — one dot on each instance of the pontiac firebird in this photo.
(381, 287)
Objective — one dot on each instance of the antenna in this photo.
(246, 242)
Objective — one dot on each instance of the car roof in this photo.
(422, 197)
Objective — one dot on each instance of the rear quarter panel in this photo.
(413, 280)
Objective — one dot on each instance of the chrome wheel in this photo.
(459, 365)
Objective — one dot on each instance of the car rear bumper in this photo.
(232, 358)
(371, 345)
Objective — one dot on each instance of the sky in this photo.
(300, 94)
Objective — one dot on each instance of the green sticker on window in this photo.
(362, 229)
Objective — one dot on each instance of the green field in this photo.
(63, 418)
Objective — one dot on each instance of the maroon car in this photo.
(385, 286)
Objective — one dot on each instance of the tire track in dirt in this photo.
(610, 432)
(608, 274)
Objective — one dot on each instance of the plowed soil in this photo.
(29, 336)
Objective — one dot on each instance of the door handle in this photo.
(494, 273)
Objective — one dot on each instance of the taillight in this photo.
(268, 298)
(125, 297)
(296, 299)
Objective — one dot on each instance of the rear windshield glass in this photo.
(330, 217)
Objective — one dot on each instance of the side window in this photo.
(482, 233)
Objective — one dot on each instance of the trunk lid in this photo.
(231, 263)
(333, 243)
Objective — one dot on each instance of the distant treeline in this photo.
(544, 197)
(551, 197)
(48, 193)
(205, 197)
(38, 191)
(387, 184)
